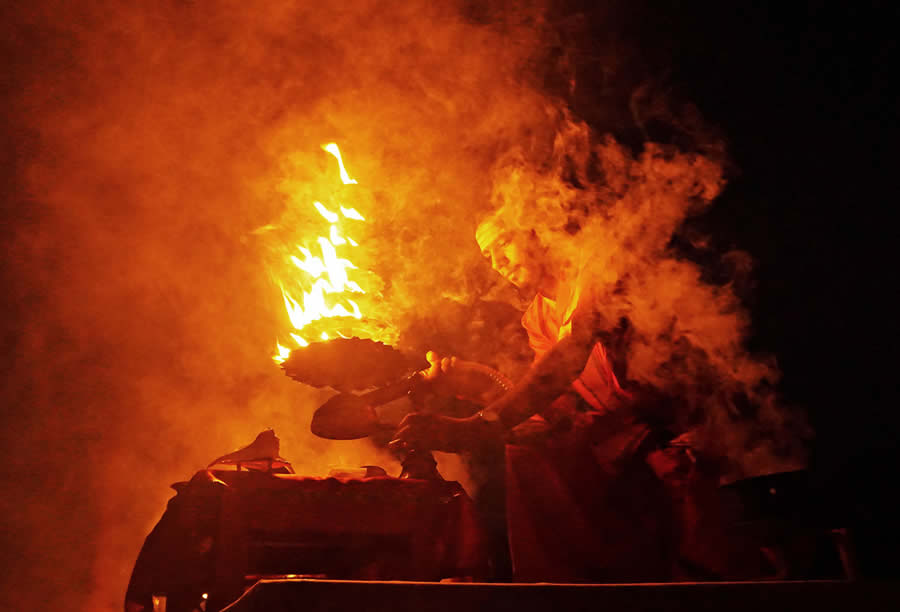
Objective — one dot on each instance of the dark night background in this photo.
(802, 93)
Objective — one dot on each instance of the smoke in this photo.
(152, 141)
(608, 216)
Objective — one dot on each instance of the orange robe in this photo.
(589, 506)
(579, 508)
(548, 322)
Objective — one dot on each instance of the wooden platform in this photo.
(338, 595)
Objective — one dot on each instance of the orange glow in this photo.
(333, 149)
(329, 216)
(351, 213)
(317, 286)
(282, 352)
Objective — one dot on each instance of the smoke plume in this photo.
(608, 216)
(153, 141)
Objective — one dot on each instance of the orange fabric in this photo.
(579, 506)
(574, 518)
(587, 506)
(547, 322)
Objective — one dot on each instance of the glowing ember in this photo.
(318, 288)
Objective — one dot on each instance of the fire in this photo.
(333, 149)
(319, 290)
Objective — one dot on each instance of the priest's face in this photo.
(517, 255)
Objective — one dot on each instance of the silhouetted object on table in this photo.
(260, 455)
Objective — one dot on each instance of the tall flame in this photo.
(319, 287)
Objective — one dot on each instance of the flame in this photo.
(333, 149)
(318, 285)
(329, 216)
(282, 352)
(351, 213)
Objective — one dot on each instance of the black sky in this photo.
(802, 92)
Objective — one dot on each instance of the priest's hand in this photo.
(442, 433)
(439, 377)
